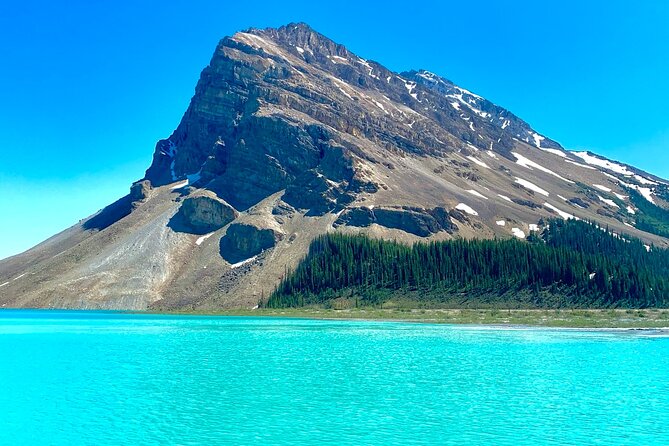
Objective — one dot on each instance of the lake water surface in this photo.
(109, 378)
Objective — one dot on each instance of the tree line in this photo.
(569, 264)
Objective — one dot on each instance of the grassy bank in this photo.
(647, 318)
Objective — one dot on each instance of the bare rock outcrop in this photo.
(243, 241)
(417, 221)
(203, 212)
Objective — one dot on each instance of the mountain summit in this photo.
(288, 136)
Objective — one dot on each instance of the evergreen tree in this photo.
(572, 263)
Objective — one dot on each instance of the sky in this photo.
(88, 87)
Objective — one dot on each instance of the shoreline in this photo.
(590, 319)
(627, 320)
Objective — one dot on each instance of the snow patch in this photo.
(345, 94)
(525, 162)
(561, 213)
(171, 151)
(467, 209)
(517, 232)
(469, 103)
(199, 241)
(243, 262)
(631, 210)
(257, 39)
(531, 186)
(537, 139)
(428, 75)
(477, 161)
(554, 152)
(504, 197)
(643, 180)
(500, 222)
(179, 185)
(533, 227)
(368, 66)
(647, 193)
(380, 105)
(3, 284)
(299, 50)
(609, 165)
(607, 201)
(462, 90)
(604, 188)
(579, 164)
(476, 193)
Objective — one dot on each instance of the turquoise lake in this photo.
(97, 378)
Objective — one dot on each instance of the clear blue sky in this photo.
(88, 87)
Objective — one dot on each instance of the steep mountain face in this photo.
(290, 135)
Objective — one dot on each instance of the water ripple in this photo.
(129, 380)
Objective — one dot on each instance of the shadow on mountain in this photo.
(179, 224)
(243, 241)
(110, 215)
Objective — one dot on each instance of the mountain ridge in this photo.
(290, 135)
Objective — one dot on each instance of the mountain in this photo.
(289, 136)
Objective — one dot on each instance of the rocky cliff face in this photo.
(203, 212)
(290, 135)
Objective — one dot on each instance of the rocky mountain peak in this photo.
(289, 109)
(288, 136)
(301, 35)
